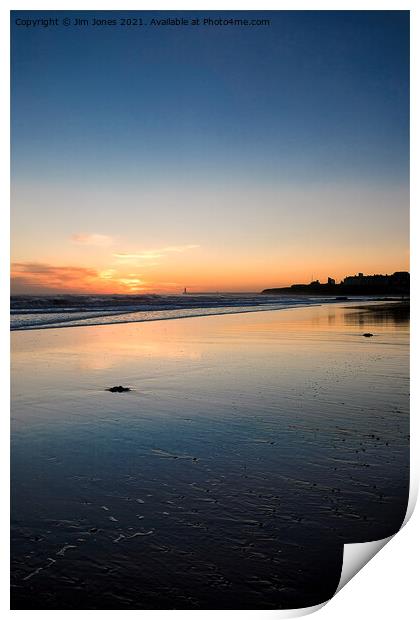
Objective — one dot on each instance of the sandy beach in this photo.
(249, 450)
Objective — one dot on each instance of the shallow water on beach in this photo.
(251, 447)
(46, 312)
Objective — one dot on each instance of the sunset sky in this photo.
(216, 158)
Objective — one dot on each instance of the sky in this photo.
(217, 158)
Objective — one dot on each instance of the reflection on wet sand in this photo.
(249, 450)
(389, 314)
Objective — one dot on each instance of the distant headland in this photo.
(396, 284)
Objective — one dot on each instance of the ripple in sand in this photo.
(65, 548)
(122, 536)
(169, 455)
(39, 569)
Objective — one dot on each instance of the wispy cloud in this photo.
(107, 274)
(180, 248)
(154, 253)
(92, 239)
(146, 255)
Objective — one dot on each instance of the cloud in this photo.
(32, 278)
(154, 254)
(146, 255)
(133, 284)
(107, 274)
(180, 248)
(42, 270)
(92, 239)
(42, 278)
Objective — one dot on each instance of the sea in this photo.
(54, 311)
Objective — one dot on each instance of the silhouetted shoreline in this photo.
(358, 285)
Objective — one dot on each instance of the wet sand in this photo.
(250, 448)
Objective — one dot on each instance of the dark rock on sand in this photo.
(367, 335)
(118, 388)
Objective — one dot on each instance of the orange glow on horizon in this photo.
(44, 278)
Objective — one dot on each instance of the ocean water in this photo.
(40, 312)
